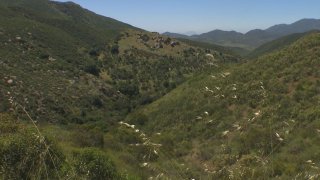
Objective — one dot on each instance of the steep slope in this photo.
(42, 7)
(47, 60)
(253, 38)
(74, 75)
(70, 56)
(259, 120)
(92, 27)
(67, 16)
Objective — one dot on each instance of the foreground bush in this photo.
(94, 164)
(24, 154)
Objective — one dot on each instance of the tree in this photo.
(92, 69)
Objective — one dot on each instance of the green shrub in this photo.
(94, 52)
(8, 124)
(4, 105)
(85, 137)
(27, 155)
(145, 38)
(139, 119)
(115, 49)
(256, 139)
(127, 136)
(94, 164)
(44, 56)
(128, 88)
(92, 69)
(97, 102)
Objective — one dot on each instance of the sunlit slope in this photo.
(275, 45)
(258, 120)
(71, 65)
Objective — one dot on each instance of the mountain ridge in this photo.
(254, 38)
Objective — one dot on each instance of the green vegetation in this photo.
(261, 121)
(87, 97)
(236, 51)
(83, 73)
(26, 154)
(74, 67)
(93, 164)
(275, 45)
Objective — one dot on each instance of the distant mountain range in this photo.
(253, 38)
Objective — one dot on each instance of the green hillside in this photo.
(275, 45)
(227, 50)
(76, 21)
(259, 120)
(75, 57)
(74, 75)
(84, 96)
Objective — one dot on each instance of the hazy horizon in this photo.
(195, 17)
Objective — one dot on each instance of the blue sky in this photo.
(204, 15)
